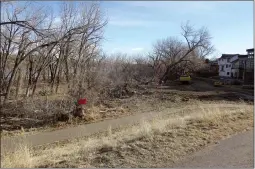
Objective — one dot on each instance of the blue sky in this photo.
(133, 26)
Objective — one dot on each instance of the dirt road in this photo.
(199, 85)
(236, 151)
(86, 130)
(202, 85)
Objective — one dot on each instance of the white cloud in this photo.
(125, 49)
(179, 7)
(114, 50)
(56, 22)
(137, 49)
(135, 16)
(130, 22)
(126, 23)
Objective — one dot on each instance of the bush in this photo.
(35, 112)
(43, 93)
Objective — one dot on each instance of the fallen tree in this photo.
(172, 56)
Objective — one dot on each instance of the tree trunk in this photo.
(29, 78)
(58, 79)
(67, 71)
(44, 75)
(53, 76)
(7, 95)
(18, 82)
(35, 82)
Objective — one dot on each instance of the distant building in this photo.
(249, 67)
(237, 66)
(250, 61)
(225, 65)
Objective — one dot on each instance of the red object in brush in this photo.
(82, 101)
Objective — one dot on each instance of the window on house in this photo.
(229, 65)
(228, 59)
(227, 73)
(222, 68)
(226, 66)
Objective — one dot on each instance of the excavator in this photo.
(185, 78)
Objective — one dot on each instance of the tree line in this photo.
(39, 48)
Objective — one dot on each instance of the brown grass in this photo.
(161, 141)
(21, 158)
(30, 114)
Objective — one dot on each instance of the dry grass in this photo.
(21, 158)
(150, 139)
(38, 113)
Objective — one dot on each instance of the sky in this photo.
(134, 26)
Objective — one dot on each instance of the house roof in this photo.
(225, 56)
(242, 56)
(250, 50)
(239, 57)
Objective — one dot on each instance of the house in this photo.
(249, 67)
(225, 65)
(238, 66)
(250, 61)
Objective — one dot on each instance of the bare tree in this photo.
(29, 37)
(143, 71)
(19, 41)
(169, 54)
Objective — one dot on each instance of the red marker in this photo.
(82, 101)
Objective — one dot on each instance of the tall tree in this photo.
(172, 56)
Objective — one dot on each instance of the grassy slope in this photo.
(161, 142)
